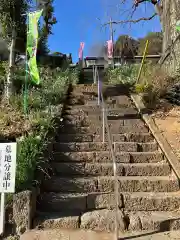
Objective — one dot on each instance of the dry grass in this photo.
(12, 122)
(154, 85)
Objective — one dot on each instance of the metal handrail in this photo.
(110, 143)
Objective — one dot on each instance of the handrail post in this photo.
(116, 193)
(95, 74)
(98, 91)
(103, 119)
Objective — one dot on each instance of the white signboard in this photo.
(7, 167)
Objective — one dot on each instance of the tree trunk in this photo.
(169, 15)
(9, 85)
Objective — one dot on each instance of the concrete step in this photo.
(99, 146)
(106, 184)
(105, 157)
(104, 220)
(94, 129)
(134, 137)
(106, 169)
(135, 201)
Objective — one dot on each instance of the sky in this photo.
(81, 21)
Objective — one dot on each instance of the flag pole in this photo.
(26, 76)
(112, 39)
(142, 62)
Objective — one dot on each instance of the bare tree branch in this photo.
(131, 21)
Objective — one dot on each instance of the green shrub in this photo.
(34, 129)
(29, 150)
(123, 74)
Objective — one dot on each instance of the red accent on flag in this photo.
(82, 44)
(110, 48)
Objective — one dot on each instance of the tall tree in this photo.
(46, 28)
(13, 23)
(155, 43)
(126, 46)
(168, 12)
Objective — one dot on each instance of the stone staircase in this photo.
(87, 74)
(80, 192)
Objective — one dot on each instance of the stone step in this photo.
(99, 146)
(106, 184)
(80, 234)
(122, 100)
(62, 201)
(104, 220)
(98, 110)
(98, 118)
(58, 220)
(134, 137)
(135, 201)
(85, 122)
(155, 220)
(154, 201)
(91, 105)
(94, 129)
(78, 100)
(105, 157)
(106, 169)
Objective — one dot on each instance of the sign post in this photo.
(7, 176)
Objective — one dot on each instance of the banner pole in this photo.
(26, 77)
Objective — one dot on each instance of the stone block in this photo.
(142, 201)
(125, 147)
(147, 147)
(102, 220)
(24, 208)
(103, 200)
(56, 221)
(81, 185)
(146, 157)
(147, 169)
(57, 202)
